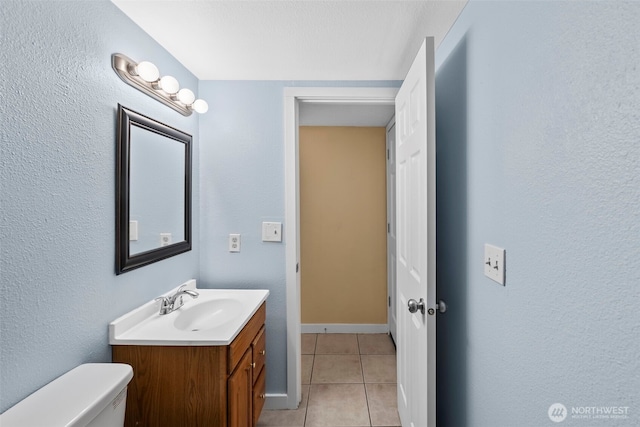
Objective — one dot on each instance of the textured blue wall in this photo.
(538, 130)
(538, 139)
(59, 97)
(242, 184)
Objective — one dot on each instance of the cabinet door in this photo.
(240, 395)
(258, 347)
(258, 396)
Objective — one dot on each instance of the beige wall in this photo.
(343, 225)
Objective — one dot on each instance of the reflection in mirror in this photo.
(156, 190)
(153, 200)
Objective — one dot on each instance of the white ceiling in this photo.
(294, 39)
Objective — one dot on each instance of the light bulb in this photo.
(147, 71)
(186, 96)
(200, 106)
(169, 84)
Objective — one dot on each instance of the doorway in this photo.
(293, 98)
(343, 227)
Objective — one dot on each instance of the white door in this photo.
(391, 228)
(416, 210)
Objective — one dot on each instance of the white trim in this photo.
(293, 95)
(344, 328)
(361, 95)
(292, 243)
(275, 401)
(391, 290)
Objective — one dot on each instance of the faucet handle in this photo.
(177, 303)
(165, 304)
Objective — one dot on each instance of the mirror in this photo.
(153, 194)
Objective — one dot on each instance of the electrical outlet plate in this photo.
(494, 263)
(234, 243)
(272, 232)
(165, 239)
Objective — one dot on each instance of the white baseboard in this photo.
(344, 328)
(276, 401)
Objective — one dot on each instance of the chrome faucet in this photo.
(173, 302)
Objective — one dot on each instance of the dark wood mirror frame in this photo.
(124, 260)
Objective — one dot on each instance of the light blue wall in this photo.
(59, 97)
(242, 184)
(538, 138)
(59, 290)
(538, 130)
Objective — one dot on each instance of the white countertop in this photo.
(214, 318)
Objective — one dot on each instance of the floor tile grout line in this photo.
(313, 362)
(364, 384)
(306, 408)
(366, 395)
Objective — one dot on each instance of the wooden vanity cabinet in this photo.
(213, 386)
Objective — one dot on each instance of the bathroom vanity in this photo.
(203, 379)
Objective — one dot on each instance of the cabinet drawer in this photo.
(244, 339)
(258, 347)
(258, 396)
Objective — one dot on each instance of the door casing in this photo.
(391, 228)
(292, 97)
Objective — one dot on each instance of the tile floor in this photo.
(347, 380)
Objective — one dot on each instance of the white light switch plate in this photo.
(234, 243)
(133, 230)
(494, 267)
(272, 232)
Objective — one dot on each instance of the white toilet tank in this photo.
(94, 394)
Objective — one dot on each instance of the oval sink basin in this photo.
(214, 318)
(205, 315)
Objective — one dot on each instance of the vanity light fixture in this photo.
(169, 84)
(186, 96)
(145, 77)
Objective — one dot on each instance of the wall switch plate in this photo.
(272, 232)
(165, 239)
(133, 230)
(234, 243)
(494, 263)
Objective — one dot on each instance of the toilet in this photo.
(93, 394)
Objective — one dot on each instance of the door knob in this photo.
(414, 305)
